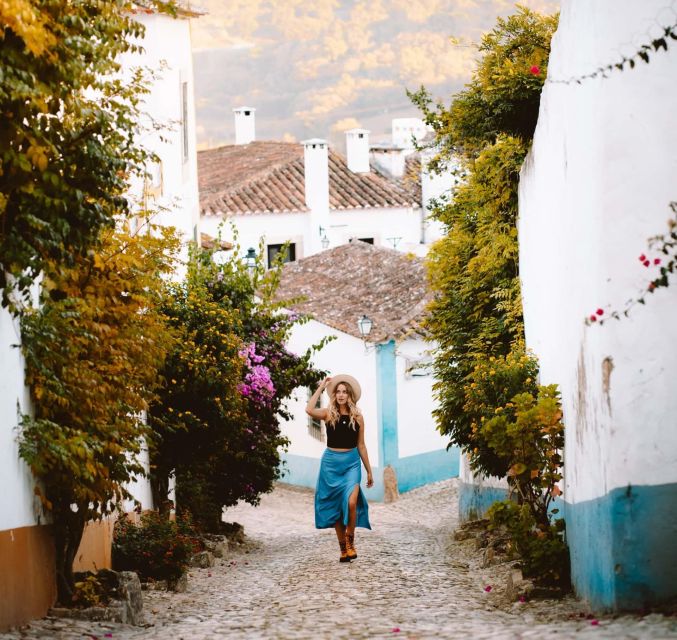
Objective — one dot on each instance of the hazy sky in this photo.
(313, 68)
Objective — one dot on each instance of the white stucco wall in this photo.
(167, 51)
(436, 186)
(346, 354)
(277, 228)
(594, 188)
(416, 427)
(18, 504)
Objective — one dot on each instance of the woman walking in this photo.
(339, 501)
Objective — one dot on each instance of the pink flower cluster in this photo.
(257, 383)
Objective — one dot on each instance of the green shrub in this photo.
(156, 548)
(543, 552)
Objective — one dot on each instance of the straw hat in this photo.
(344, 377)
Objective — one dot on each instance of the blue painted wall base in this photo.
(412, 471)
(624, 547)
(424, 468)
(474, 500)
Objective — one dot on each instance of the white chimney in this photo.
(357, 150)
(389, 158)
(316, 174)
(244, 125)
(404, 129)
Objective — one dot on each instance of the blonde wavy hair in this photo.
(333, 408)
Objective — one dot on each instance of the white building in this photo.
(27, 581)
(340, 286)
(595, 187)
(314, 198)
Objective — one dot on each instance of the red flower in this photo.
(593, 318)
(646, 263)
(594, 623)
(487, 588)
(642, 258)
(535, 70)
(600, 312)
(657, 261)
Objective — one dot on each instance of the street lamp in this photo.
(250, 260)
(324, 242)
(364, 324)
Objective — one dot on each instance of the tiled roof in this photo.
(342, 284)
(267, 177)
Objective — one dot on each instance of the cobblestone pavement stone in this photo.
(411, 580)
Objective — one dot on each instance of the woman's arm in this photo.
(311, 409)
(362, 450)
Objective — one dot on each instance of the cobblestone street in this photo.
(411, 580)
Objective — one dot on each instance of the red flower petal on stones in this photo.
(396, 629)
(535, 70)
(487, 588)
(657, 261)
(600, 312)
(594, 623)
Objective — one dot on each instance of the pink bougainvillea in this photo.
(257, 383)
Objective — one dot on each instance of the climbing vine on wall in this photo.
(93, 351)
(642, 54)
(489, 401)
(660, 260)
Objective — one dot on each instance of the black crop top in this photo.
(341, 435)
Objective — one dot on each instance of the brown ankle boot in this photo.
(344, 553)
(350, 547)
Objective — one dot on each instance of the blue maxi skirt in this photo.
(340, 471)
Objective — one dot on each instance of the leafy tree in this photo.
(477, 313)
(504, 93)
(93, 350)
(68, 125)
(216, 420)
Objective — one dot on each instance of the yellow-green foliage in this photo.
(93, 349)
(477, 313)
(68, 130)
(489, 402)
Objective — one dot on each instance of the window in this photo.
(315, 425)
(184, 120)
(367, 240)
(274, 249)
(418, 366)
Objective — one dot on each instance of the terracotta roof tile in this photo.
(341, 284)
(267, 177)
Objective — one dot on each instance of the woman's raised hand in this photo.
(325, 383)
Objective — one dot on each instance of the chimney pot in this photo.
(244, 125)
(357, 150)
(316, 180)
